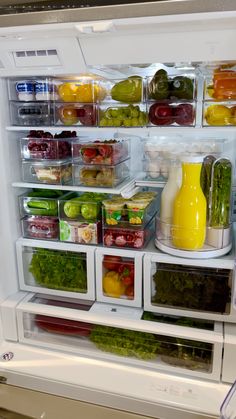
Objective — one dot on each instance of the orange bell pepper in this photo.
(224, 85)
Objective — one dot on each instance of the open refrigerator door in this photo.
(104, 299)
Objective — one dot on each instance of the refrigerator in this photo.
(80, 79)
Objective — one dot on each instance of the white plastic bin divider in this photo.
(30, 334)
(138, 259)
(90, 264)
(224, 262)
(229, 356)
(8, 314)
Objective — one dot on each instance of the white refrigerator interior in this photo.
(33, 354)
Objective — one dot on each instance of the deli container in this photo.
(119, 277)
(40, 227)
(45, 148)
(131, 237)
(31, 113)
(172, 113)
(164, 86)
(195, 289)
(180, 350)
(78, 90)
(100, 175)
(105, 152)
(58, 172)
(136, 211)
(78, 114)
(219, 114)
(54, 271)
(123, 116)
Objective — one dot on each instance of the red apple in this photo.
(161, 114)
(87, 115)
(184, 114)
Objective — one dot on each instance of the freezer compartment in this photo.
(56, 272)
(81, 232)
(100, 175)
(118, 115)
(188, 290)
(40, 227)
(130, 90)
(31, 113)
(83, 207)
(78, 114)
(229, 357)
(58, 172)
(219, 114)
(136, 237)
(105, 152)
(78, 90)
(179, 86)
(123, 213)
(196, 356)
(165, 113)
(30, 89)
(45, 148)
(119, 277)
(221, 85)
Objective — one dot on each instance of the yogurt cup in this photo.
(136, 211)
(43, 90)
(113, 211)
(25, 90)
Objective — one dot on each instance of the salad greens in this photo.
(60, 270)
(192, 288)
(124, 342)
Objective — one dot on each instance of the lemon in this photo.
(67, 92)
(218, 115)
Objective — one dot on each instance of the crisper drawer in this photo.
(229, 358)
(128, 340)
(192, 288)
(60, 270)
(119, 277)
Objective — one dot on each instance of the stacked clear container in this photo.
(129, 222)
(219, 104)
(80, 217)
(171, 99)
(101, 163)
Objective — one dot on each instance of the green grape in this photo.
(117, 122)
(103, 122)
(110, 122)
(108, 113)
(134, 113)
(127, 122)
(114, 113)
(135, 122)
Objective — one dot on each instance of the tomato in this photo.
(129, 292)
(111, 263)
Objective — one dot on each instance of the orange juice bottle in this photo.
(189, 212)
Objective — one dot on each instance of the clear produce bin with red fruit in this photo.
(40, 227)
(132, 237)
(172, 113)
(100, 175)
(105, 152)
(57, 172)
(119, 277)
(56, 269)
(45, 148)
(219, 114)
(79, 114)
(118, 115)
(31, 113)
(80, 217)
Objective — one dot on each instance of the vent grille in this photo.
(36, 58)
(38, 53)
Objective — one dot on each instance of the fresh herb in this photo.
(192, 288)
(125, 342)
(221, 193)
(59, 270)
(180, 321)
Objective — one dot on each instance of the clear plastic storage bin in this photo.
(105, 152)
(45, 148)
(171, 113)
(219, 114)
(123, 116)
(34, 203)
(57, 172)
(30, 89)
(40, 227)
(101, 175)
(119, 277)
(55, 271)
(78, 90)
(164, 86)
(220, 86)
(79, 114)
(31, 113)
(130, 90)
